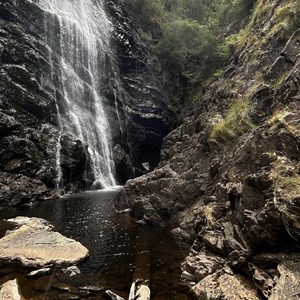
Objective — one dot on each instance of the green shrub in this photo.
(227, 49)
(182, 39)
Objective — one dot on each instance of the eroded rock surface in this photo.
(230, 190)
(225, 286)
(288, 285)
(10, 291)
(31, 93)
(34, 243)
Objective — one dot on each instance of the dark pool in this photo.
(119, 249)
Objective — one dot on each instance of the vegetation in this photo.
(208, 212)
(197, 39)
(287, 194)
(194, 39)
(285, 20)
(236, 122)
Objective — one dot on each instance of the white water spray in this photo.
(84, 35)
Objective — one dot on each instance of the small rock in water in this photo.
(185, 276)
(62, 287)
(124, 211)
(90, 289)
(143, 293)
(141, 222)
(10, 291)
(40, 272)
(113, 296)
(73, 270)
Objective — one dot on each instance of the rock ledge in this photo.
(34, 243)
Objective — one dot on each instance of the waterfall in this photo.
(81, 30)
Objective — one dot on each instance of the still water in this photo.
(119, 248)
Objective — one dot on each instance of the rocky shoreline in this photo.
(228, 183)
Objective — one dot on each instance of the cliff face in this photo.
(31, 92)
(27, 113)
(228, 179)
(146, 117)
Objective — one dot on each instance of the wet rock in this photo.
(262, 280)
(222, 194)
(187, 277)
(288, 284)
(144, 123)
(292, 47)
(227, 287)
(10, 291)
(19, 190)
(72, 271)
(143, 293)
(75, 161)
(61, 287)
(202, 264)
(40, 272)
(34, 243)
(113, 296)
(88, 290)
(123, 166)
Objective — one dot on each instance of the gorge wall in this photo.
(32, 136)
(229, 179)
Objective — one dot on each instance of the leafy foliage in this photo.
(197, 38)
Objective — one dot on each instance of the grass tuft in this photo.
(236, 123)
(286, 184)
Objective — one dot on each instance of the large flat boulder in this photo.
(34, 243)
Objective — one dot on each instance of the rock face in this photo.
(34, 243)
(228, 177)
(10, 291)
(30, 95)
(288, 286)
(144, 114)
(28, 115)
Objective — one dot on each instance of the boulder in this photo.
(18, 189)
(34, 243)
(113, 295)
(225, 287)
(288, 284)
(10, 291)
(39, 272)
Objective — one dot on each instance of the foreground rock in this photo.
(10, 291)
(226, 287)
(34, 243)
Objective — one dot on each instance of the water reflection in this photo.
(118, 245)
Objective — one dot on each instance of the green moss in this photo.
(236, 123)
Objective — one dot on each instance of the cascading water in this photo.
(82, 36)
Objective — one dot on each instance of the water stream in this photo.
(79, 32)
(78, 35)
(118, 247)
